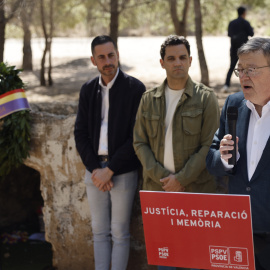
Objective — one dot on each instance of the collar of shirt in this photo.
(265, 109)
(110, 84)
(174, 91)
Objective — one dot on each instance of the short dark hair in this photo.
(173, 40)
(241, 10)
(99, 40)
(255, 45)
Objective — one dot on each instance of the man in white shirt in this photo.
(103, 134)
(251, 174)
(175, 125)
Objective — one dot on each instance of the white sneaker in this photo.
(225, 89)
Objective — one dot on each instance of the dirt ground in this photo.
(139, 57)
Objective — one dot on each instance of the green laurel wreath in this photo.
(14, 128)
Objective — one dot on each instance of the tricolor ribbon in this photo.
(13, 101)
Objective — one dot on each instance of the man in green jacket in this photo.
(175, 126)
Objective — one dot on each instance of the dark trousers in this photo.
(234, 59)
(262, 251)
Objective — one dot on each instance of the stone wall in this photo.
(66, 212)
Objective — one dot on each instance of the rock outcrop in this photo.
(66, 211)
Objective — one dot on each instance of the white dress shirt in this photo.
(172, 97)
(103, 138)
(258, 135)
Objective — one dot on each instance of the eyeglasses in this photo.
(250, 72)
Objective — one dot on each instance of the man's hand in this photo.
(102, 178)
(226, 145)
(108, 186)
(170, 183)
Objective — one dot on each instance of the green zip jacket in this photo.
(195, 121)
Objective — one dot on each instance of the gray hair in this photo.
(255, 45)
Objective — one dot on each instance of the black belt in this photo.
(103, 158)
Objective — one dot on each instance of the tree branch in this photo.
(123, 5)
(51, 19)
(13, 9)
(103, 6)
(185, 11)
(43, 23)
(147, 2)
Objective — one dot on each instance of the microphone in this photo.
(232, 114)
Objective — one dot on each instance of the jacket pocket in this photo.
(151, 123)
(192, 122)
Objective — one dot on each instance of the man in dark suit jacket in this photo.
(238, 30)
(251, 174)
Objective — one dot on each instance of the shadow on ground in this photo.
(69, 76)
(29, 255)
(67, 81)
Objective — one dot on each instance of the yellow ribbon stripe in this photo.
(12, 97)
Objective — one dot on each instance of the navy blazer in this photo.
(259, 186)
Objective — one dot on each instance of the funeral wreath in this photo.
(14, 120)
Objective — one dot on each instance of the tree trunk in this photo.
(174, 16)
(43, 59)
(27, 50)
(114, 20)
(50, 80)
(179, 26)
(202, 60)
(3, 21)
(183, 22)
(50, 45)
(2, 30)
(42, 68)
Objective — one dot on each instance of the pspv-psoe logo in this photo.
(238, 256)
(163, 253)
(219, 255)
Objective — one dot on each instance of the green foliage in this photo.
(14, 128)
(146, 17)
(96, 21)
(139, 17)
(68, 14)
(9, 78)
(13, 31)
